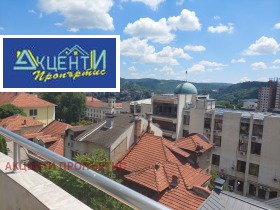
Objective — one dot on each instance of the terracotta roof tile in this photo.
(194, 142)
(58, 147)
(17, 122)
(55, 128)
(149, 150)
(23, 100)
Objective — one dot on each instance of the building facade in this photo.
(246, 144)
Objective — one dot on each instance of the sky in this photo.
(214, 40)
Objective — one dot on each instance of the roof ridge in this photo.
(156, 178)
(163, 147)
(186, 185)
(165, 174)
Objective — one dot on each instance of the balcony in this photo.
(170, 99)
(243, 138)
(31, 191)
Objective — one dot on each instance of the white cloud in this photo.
(275, 67)
(132, 68)
(258, 66)
(263, 79)
(277, 61)
(153, 4)
(32, 11)
(150, 29)
(196, 68)
(203, 66)
(179, 2)
(81, 14)
(244, 79)
(277, 26)
(196, 48)
(186, 21)
(142, 52)
(221, 28)
(217, 17)
(263, 45)
(168, 71)
(240, 60)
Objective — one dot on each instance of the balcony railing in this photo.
(112, 188)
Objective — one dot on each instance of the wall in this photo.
(44, 114)
(196, 120)
(28, 190)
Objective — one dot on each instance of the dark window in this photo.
(252, 189)
(261, 193)
(218, 124)
(256, 148)
(244, 128)
(231, 182)
(258, 130)
(216, 160)
(72, 137)
(241, 165)
(207, 123)
(254, 169)
(240, 185)
(32, 112)
(272, 194)
(185, 133)
(217, 140)
(186, 120)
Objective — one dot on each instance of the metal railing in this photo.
(112, 188)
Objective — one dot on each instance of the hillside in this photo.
(219, 91)
(165, 86)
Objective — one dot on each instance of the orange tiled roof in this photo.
(52, 134)
(194, 142)
(149, 150)
(17, 122)
(23, 100)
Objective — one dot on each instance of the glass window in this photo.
(241, 165)
(217, 140)
(261, 193)
(240, 185)
(254, 169)
(272, 194)
(216, 160)
(33, 112)
(186, 120)
(252, 189)
(256, 148)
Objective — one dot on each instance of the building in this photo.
(32, 106)
(223, 200)
(269, 96)
(115, 135)
(141, 107)
(249, 104)
(246, 144)
(159, 169)
(96, 109)
(50, 137)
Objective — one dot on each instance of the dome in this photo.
(185, 88)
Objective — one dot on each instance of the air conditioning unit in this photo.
(255, 138)
(242, 153)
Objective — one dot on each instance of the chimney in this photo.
(24, 122)
(174, 182)
(109, 120)
(137, 127)
(149, 117)
(218, 185)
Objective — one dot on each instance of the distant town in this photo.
(181, 149)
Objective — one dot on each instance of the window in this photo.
(217, 140)
(256, 148)
(272, 194)
(252, 189)
(261, 193)
(216, 160)
(218, 124)
(72, 137)
(240, 185)
(186, 119)
(32, 112)
(207, 123)
(241, 165)
(254, 169)
(185, 133)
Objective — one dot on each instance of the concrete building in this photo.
(96, 109)
(269, 96)
(32, 106)
(115, 135)
(140, 107)
(247, 144)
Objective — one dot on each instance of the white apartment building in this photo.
(96, 109)
(247, 144)
(140, 107)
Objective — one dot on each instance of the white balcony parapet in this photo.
(112, 188)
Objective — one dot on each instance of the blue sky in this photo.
(215, 40)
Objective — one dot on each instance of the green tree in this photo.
(83, 191)
(70, 106)
(3, 145)
(8, 110)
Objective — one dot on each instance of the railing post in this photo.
(16, 156)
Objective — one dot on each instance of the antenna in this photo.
(186, 74)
